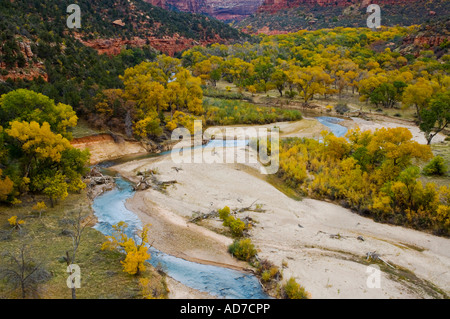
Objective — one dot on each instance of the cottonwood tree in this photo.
(136, 249)
(419, 95)
(435, 118)
(25, 105)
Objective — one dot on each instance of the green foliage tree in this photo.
(436, 117)
(26, 105)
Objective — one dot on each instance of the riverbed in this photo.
(109, 208)
(313, 241)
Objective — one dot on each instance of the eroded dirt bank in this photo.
(103, 147)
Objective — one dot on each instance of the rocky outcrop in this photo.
(220, 9)
(97, 183)
(29, 71)
(112, 46)
(167, 45)
(429, 37)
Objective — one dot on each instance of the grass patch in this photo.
(443, 150)
(83, 129)
(279, 184)
(101, 271)
(227, 112)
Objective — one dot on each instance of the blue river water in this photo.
(218, 281)
(333, 124)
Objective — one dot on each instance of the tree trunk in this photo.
(23, 289)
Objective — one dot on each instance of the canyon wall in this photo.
(220, 9)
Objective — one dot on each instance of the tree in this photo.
(203, 70)
(168, 65)
(37, 141)
(77, 224)
(387, 94)
(435, 118)
(26, 105)
(15, 222)
(191, 97)
(52, 184)
(238, 71)
(310, 81)
(49, 163)
(22, 271)
(6, 187)
(396, 145)
(279, 78)
(149, 126)
(40, 207)
(243, 249)
(418, 95)
(436, 166)
(136, 249)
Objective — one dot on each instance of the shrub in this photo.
(15, 223)
(243, 249)
(341, 108)
(236, 225)
(291, 94)
(435, 167)
(293, 290)
(224, 212)
(268, 271)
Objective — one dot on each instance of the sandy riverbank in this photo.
(297, 232)
(317, 240)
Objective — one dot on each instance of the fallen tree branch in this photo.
(373, 255)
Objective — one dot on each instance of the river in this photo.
(217, 281)
(333, 124)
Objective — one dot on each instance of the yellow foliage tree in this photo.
(6, 187)
(15, 222)
(38, 141)
(136, 250)
(310, 81)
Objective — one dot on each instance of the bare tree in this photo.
(21, 271)
(77, 223)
